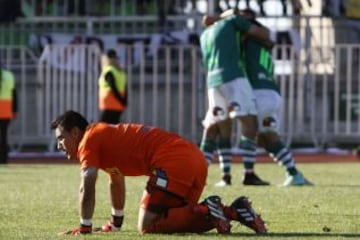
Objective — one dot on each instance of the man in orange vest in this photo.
(8, 109)
(112, 89)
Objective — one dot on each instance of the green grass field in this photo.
(38, 201)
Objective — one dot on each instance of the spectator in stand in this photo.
(76, 7)
(8, 109)
(10, 10)
(219, 9)
(53, 8)
(296, 6)
(164, 8)
(333, 8)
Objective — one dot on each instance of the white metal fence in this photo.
(23, 64)
(320, 86)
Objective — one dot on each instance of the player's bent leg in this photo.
(247, 148)
(224, 152)
(247, 145)
(212, 123)
(249, 126)
(281, 154)
(178, 220)
(162, 212)
(208, 142)
(225, 157)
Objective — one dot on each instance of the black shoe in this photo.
(253, 179)
(215, 212)
(247, 215)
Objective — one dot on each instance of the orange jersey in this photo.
(174, 164)
(134, 149)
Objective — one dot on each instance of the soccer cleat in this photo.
(252, 179)
(214, 211)
(246, 215)
(109, 227)
(297, 180)
(225, 181)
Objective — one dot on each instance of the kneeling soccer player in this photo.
(177, 173)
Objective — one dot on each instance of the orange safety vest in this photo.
(107, 100)
(7, 86)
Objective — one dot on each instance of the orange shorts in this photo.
(179, 179)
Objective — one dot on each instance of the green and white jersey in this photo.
(259, 65)
(220, 47)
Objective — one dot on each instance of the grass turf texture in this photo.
(39, 201)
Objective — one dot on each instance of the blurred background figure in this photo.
(10, 10)
(352, 14)
(112, 88)
(8, 109)
(165, 8)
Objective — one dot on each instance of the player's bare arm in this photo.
(87, 192)
(229, 12)
(117, 191)
(208, 20)
(261, 34)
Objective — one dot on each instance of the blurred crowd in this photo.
(11, 9)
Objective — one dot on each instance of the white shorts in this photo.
(269, 107)
(232, 99)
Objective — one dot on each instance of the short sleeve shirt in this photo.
(132, 149)
(221, 51)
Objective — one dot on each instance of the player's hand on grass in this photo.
(82, 229)
(113, 225)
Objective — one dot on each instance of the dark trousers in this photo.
(4, 149)
(110, 116)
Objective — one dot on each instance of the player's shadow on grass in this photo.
(303, 235)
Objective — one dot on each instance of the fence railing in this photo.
(167, 89)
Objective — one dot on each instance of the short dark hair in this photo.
(111, 53)
(69, 120)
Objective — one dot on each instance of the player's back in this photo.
(259, 65)
(221, 50)
(128, 147)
